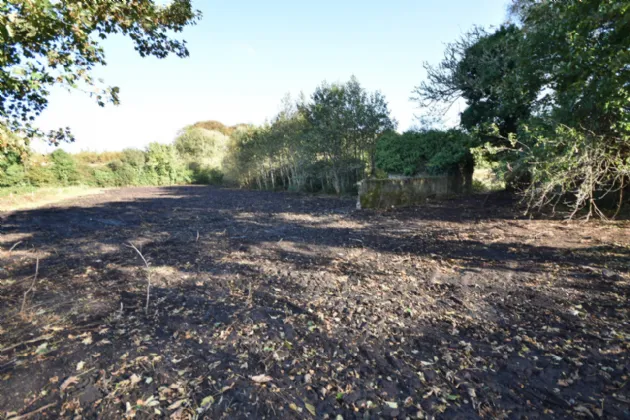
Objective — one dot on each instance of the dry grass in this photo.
(38, 197)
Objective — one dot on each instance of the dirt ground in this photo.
(271, 305)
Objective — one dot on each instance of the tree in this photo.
(345, 122)
(552, 90)
(46, 43)
(489, 71)
(578, 147)
(64, 167)
(163, 162)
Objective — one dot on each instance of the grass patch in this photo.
(28, 197)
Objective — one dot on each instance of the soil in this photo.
(278, 305)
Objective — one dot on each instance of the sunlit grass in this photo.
(27, 197)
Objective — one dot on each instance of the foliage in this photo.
(96, 158)
(569, 166)
(11, 159)
(424, 152)
(165, 165)
(48, 43)
(208, 176)
(485, 70)
(12, 174)
(158, 165)
(548, 95)
(64, 167)
(346, 121)
(201, 146)
(212, 125)
(324, 144)
(133, 157)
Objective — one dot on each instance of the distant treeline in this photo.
(332, 140)
(158, 164)
(326, 143)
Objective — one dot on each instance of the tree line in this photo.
(324, 143)
(547, 99)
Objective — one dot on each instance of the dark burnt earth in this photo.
(276, 305)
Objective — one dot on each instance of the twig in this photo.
(34, 340)
(14, 245)
(620, 199)
(146, 308)
(32, 413)
(197, 239)
(32, 286)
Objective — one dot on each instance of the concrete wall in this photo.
(400, 192)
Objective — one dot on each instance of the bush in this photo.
(164, 162)
(64, 167)
(134, 157)
(12, 175)
(424, 152)
(105, 178)
(207, 176)
(11, 169)
(40, 175)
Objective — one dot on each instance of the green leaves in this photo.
(561, 67)
(324, 144)
(423, 152)
(46, 43)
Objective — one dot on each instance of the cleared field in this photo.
(291, 306)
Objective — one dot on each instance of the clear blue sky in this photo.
(246, 54)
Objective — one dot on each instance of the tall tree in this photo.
(555, 86)
(346, 121)
(487, 71)
(580, 144)
(44, 43)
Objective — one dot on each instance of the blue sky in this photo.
(246, 55)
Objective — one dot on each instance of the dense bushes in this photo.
(432, 152)
(323, 144)
(159, 164)
(203, 147)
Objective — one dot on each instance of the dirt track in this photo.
(460, 309)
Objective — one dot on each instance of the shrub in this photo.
(40, 175)
(11, 169)
(207, 176)
(64, 167)
(424, 152)
(134, 157)
(105, 178)
(12, 175)
(164, 162)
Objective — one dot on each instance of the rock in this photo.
(610, 275)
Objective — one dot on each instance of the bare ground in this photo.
(270, 305)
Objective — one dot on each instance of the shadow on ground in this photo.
(456, 309)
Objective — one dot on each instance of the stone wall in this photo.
(400, 192)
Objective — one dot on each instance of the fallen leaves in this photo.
(261, 379)
(375, 333)
(68, 382)
(176, 404)
(206, 402)
(310, 408)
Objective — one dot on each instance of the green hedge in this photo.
(424, 152)
(158, 164)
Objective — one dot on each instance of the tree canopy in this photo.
(46, 43)
(552, 90)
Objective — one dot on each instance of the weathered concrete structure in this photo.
(400, 192)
